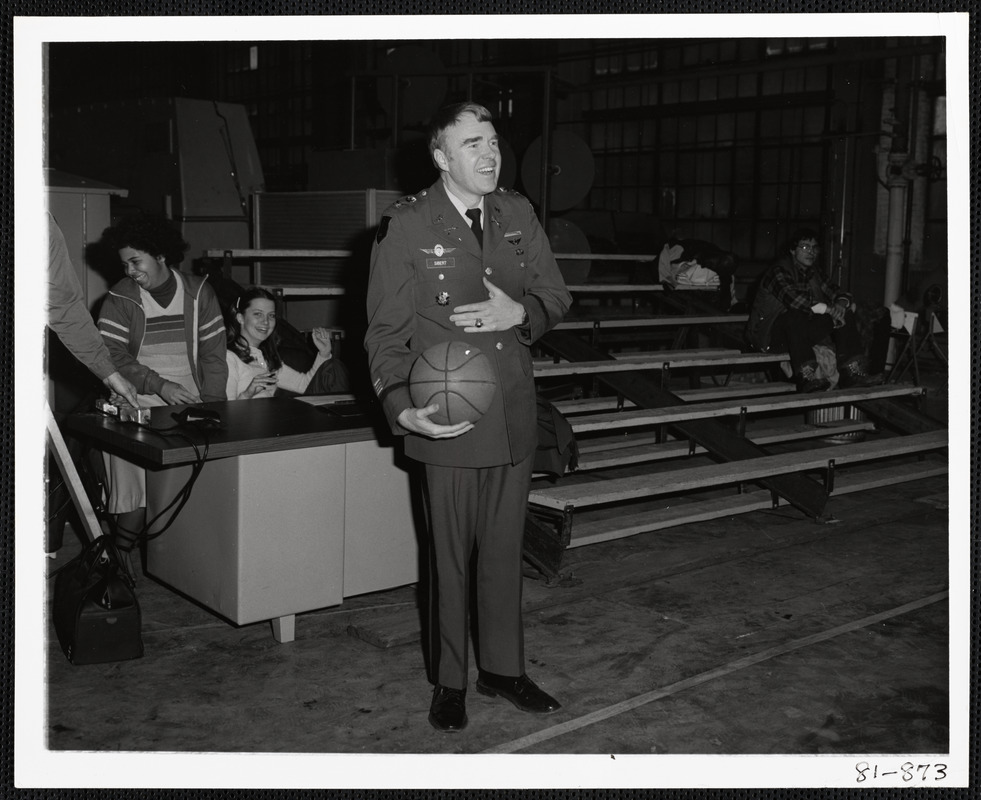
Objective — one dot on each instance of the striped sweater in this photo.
(123, 324)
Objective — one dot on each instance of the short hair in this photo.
(450, 115)
(150, 234)
(800, 235)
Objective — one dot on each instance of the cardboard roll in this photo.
(567, 237)
(570, 167)
(421, 87)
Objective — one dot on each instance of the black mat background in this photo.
(347, 7)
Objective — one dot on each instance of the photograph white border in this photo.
(35, 766)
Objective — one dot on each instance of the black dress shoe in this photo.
(448, 711)
(521, 691)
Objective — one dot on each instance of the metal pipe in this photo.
(354, 79)
(898, 185)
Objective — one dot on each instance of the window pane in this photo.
(725, 127)
(742, 202)
(810, 200)
(722, 197)
(744, 165)
(704, 168)
(769, 200)
(723, 167)
(686, 130)
(817, 79)
(728, 86)
(769, 164)
(704, 196)
(645, 170)
(770, 123)
(745, 125)
(747, 85)
(772, 83)
(811, 164)
(706, 128)
(813, 121)
(686, 202)
(686, 167)
(793, 81)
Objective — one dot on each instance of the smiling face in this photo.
(469, 158)
(258, 321)
(146, 271)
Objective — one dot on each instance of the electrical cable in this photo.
(182, 495)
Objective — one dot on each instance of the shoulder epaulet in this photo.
(409, 199)
(509, 192)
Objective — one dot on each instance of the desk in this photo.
(294, 510)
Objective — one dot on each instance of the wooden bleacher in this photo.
(565, 498)
(658, 448)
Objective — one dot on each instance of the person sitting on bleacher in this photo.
(799, 310)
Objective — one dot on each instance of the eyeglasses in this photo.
(809, 248)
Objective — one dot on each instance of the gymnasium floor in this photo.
(765, 633)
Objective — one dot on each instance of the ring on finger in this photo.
(478, 323)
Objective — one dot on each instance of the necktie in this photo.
(474, 214)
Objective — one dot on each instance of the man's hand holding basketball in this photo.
(499, 313)
(417, 420)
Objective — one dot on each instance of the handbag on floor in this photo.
(96, 612)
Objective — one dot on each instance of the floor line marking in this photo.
(696, 680)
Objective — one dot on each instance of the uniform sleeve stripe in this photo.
(115, 336)
(211, 322)
(206, 336)
(389, 389)
(104, 321)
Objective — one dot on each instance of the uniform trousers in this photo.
(480, 509)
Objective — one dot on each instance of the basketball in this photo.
(458, 377)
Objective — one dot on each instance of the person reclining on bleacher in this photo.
(798, 309)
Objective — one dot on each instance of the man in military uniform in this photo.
(466, 261)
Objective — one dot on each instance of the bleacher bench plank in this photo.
(669, 320)
(592, 404)
(621, 455)
(667, 359)
(860, 479)
(686, 479)
(306, 291)
(248, 253)
(721, 408)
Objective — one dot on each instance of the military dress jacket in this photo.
(424, 263)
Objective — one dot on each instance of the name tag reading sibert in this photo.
(440, 263)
